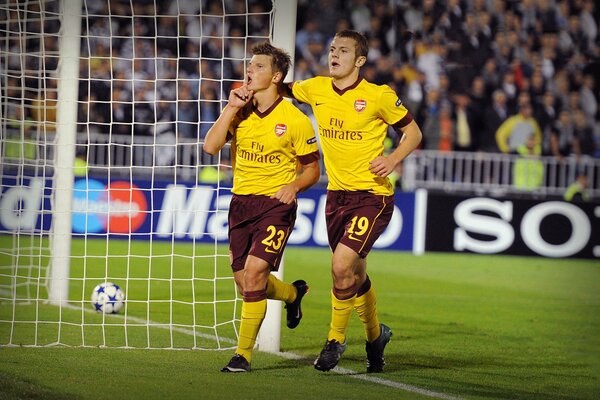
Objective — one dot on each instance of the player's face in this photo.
(260, 72)
(342, 57)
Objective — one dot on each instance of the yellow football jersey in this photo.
(352, 125)
(267, 146)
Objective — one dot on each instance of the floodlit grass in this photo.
(468, 326)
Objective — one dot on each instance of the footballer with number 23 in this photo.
(353, 116)
(270, 137)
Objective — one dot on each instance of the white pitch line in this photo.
(377, 380)
(151, 324)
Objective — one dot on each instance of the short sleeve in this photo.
(300, 91)
(391, 108)
(305, 141)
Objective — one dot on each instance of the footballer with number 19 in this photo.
(270, 137)
(353, 116)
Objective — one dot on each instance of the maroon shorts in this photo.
(356, 219)
(260, 226)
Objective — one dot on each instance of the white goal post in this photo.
(103, 105)
(64, 160)
(284, 37)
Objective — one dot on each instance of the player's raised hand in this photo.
(240, 97)
(382, 166)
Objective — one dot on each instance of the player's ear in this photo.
(360, 61)
(277, 77)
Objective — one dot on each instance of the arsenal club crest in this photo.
(360, 105)
(280, 129)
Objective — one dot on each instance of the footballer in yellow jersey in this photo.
(353, 116)
(353, 125)
(266, 146)
(275, 157)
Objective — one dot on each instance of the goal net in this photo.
(104, 108)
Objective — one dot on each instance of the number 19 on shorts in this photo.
(358, 227)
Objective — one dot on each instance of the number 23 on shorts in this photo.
(358, 227)
(274, 240)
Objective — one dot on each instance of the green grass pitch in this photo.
(465, 326)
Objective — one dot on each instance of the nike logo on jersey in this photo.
(319, 104)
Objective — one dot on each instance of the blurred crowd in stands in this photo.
(478, 75)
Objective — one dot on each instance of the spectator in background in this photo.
(589, 23)
(121, 113)
(429, 120)
(588, 99)
(167, 34)
(80, 166)
(360, 15)
(187, 113)
(562, 135)
(414, 88)
(43, 107)
(209, 108)
(584, 134)
(490, 75)
(537, 88)
(577, 191)
(464, 117)
(517, 129)
(509, 88)
(19, 141)
(309, 32)
(430, 62)
(478, 101)
(446, 128)
(494, 115)
(546, 114)
(528, 169)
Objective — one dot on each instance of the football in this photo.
(108, 298)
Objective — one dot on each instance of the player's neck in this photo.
(345, 81)
(264, 99)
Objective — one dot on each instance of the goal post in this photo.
(136, 85)
(64, 160)
(284, 36)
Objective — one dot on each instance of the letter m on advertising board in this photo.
(183, 215)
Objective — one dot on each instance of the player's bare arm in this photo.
(308, 176)
(384, 165)
(217, 134)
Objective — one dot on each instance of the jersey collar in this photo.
(268, 110)
(342, 91)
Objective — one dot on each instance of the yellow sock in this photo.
(340, 316)
(253, 314)
(366, 307)
(279, 290)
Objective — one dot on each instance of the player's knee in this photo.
(256, 274)
(342, 274)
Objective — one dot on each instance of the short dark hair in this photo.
(280, 58)
(362, 44)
